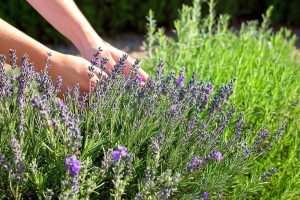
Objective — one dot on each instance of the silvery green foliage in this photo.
(172, 138)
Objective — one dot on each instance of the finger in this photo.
(97, 75)
(110, 65)
(143, 74)
(129, 63)
(100, 73)
(93, 82)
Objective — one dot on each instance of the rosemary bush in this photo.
(267, 86)
(174, 138)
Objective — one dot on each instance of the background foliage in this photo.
(112, 16)
(267, 77)
(106, 16)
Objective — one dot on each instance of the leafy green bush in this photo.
(267, 78)
(124, 141)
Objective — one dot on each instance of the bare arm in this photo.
(65, 16)
(12, 38)
(71, 68)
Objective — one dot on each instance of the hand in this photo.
(80, 32)
(73, 70)
(114, 55)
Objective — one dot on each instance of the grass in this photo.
(267, 86)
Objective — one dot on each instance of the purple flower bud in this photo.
(73, 165)
(210, 89)
(205, 195)
(195, 161)
(194, 164)
(139, 78)
(123, 150)
(180, 80)
(116, 155)
(217, 155)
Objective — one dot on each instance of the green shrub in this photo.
(267, 78)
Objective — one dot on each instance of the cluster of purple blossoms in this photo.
(116, 157)
(194, 164)
(120, 152)
(156, 144)
(217, 155)
(269, 174)
(73, 166)
(197, 163)
(74, 137)
(18, 167)
(71, 185)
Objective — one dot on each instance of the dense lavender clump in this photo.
(178, 136)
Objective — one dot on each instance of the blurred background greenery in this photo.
(112, 17)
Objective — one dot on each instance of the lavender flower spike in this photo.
(73, 166)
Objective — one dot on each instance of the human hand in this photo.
(74, 70)
(114, 55)
(81, 33)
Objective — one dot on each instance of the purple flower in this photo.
(217, 155)
(71, 121)
(180, 80)
(195, 161)
(73, 165)
(116, 155)
(17, 151)
(139, 78)
(205, 195)
(123, 150)
(210, 89)
(18, 170)
(194, 164)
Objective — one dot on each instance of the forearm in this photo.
(12, 38)
(65, 16)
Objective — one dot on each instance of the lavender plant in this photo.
(174, 138)
(264, 62)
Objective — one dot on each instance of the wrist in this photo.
(88, 43)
